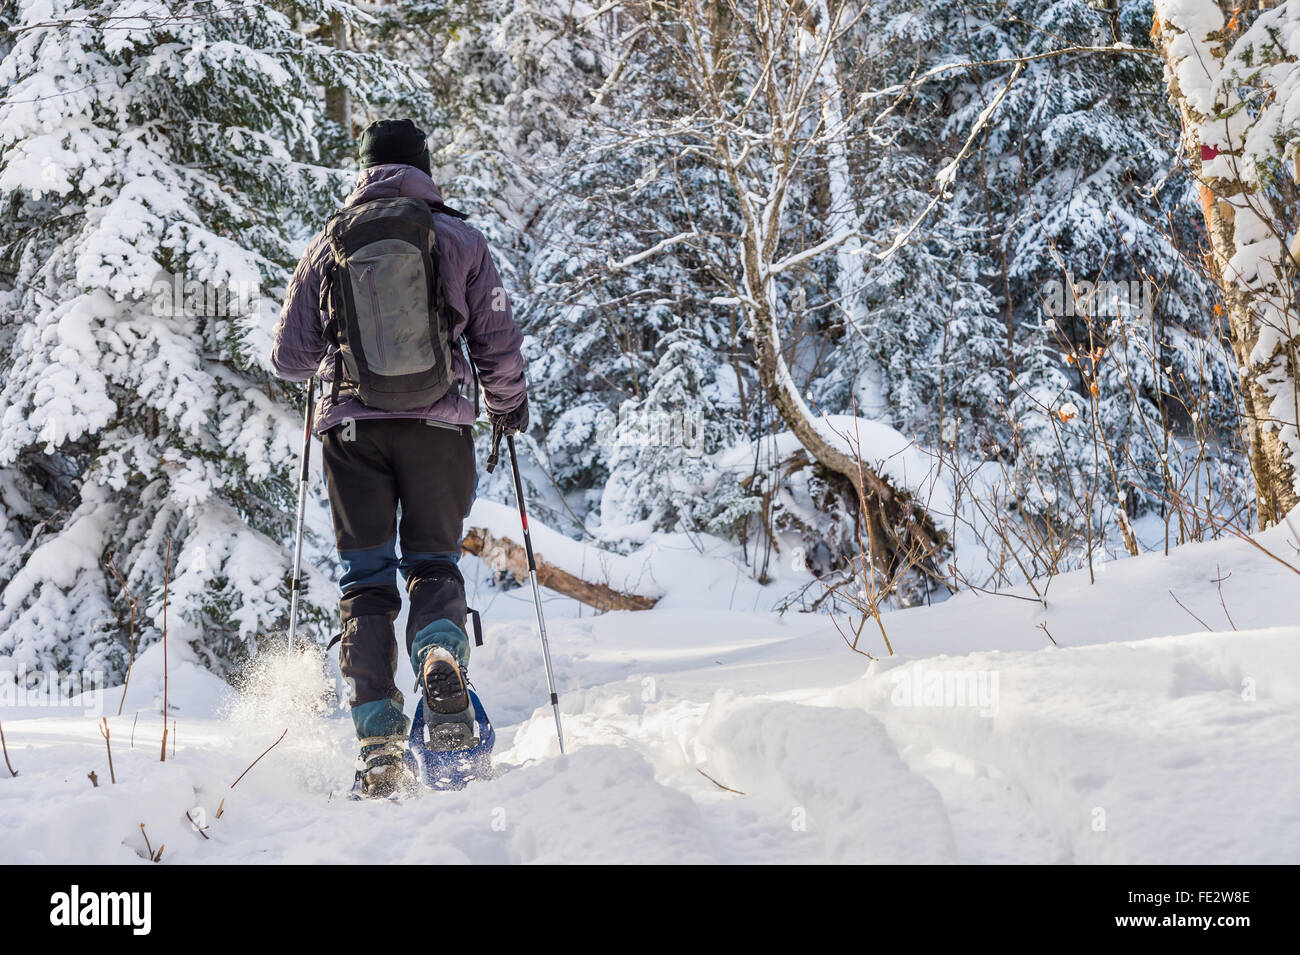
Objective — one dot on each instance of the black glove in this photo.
(509, 422)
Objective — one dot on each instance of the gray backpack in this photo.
(384, 306)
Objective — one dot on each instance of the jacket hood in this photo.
(390, 180)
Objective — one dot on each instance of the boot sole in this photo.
(444, 691)
(448, 711)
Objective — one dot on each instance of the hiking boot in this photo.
(448, 712)
(382, 769)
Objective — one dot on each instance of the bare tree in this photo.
(767, 80)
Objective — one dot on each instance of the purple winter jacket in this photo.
(472, 287)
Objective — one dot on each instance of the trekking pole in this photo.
(307, 418)
(532, 571)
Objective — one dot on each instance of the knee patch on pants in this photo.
(369, 582)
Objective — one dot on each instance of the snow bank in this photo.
(724, 736)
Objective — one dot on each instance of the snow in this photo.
(1193, 22)
(1145, 737)
(61, 559)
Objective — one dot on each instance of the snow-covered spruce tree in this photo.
(153, 159)
(919, 338)
(658, 468)
(1068, 187)
(638, 371)
(1078, 179)
(14, 503)
(610, 335)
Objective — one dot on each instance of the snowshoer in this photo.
(378, 308)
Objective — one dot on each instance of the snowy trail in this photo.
(1134, 742)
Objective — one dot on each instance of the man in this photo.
(342, 320)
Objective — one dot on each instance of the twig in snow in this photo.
(5, 747)
(167, 569)
(94, 780)
(857, 633)
(133, 722)
(104, 731)
(1043, 627)
(201, 830)
(1219, 583)
(1190, 614)
(718, 784)
(153, 856)
(1179, 502)
(258, 760)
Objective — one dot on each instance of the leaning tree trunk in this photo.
(899, 532)
(504, 555)
(760, 158)
(1250, 261)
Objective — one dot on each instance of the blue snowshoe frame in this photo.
(444, 771)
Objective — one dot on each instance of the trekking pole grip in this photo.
(494, 457)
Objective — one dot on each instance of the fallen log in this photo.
(503, 554)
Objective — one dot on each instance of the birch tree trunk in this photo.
(1249, 256)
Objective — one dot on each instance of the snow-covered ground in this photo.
(1145, 736)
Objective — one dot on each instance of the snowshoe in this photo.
(385, 769)
(440, 768)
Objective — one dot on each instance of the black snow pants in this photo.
(391, 481)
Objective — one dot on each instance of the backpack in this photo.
(384, 308)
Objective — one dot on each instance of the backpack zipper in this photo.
(368, 276)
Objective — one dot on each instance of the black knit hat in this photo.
(394, 141)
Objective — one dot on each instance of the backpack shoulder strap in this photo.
(448, 210)
(329, 298)
(473, 370)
